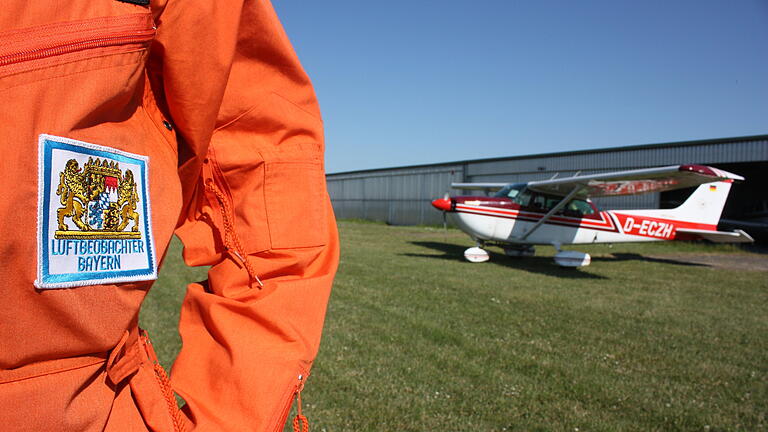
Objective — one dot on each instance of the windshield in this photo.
(510, 191)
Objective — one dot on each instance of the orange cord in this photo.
(304, 424)
(165, 385)
(170, 398)
(300, 423)
(229, 231)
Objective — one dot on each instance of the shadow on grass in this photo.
(638, 257)
(541, 265)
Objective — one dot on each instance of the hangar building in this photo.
(402, 195)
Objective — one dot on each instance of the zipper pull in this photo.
(300, 423)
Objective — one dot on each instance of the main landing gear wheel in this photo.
(476, 255)
(572, 259)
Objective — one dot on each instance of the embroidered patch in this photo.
(93, 222)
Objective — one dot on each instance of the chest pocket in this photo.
(59, 49)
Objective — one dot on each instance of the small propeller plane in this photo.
(558, 211)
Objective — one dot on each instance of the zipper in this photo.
(300, 423)
(36, 43)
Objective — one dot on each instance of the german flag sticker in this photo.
(712, 188)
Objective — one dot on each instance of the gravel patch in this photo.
(730, 261)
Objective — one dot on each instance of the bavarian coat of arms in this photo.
(99, 200)
(94, 222)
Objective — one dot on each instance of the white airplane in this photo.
(558, 212)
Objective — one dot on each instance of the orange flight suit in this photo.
(122, 123)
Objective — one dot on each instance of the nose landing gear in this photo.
(477, 254)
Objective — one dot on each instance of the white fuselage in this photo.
(511, 226)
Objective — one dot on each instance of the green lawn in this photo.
(417, 339)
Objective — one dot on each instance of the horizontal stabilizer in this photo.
(736, 236)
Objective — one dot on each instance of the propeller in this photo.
(444, 205)
(445, 217)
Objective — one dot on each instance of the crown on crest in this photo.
(103, 167)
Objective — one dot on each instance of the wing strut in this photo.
(554, 210)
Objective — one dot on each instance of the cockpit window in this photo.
(578, 208)
(523, 198)
(538, 202)
(544, 203)
(510, 191)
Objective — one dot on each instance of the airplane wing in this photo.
(481, 186)
(633, 182)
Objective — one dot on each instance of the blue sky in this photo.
(412, 82)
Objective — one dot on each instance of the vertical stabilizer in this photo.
(705, 205)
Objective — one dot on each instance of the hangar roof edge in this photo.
(568, 153)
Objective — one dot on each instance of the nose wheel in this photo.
(477, 254)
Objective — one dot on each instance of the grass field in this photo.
(417, 339)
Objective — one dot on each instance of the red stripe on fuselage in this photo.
(660, 228)
(605, 223)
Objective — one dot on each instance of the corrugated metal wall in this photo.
(401, 196)
(395, 196)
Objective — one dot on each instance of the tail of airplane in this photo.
(705, 205)
(696, 218)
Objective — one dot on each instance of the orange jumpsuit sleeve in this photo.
(256, 210)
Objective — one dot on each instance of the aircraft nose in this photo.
(443, 204)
